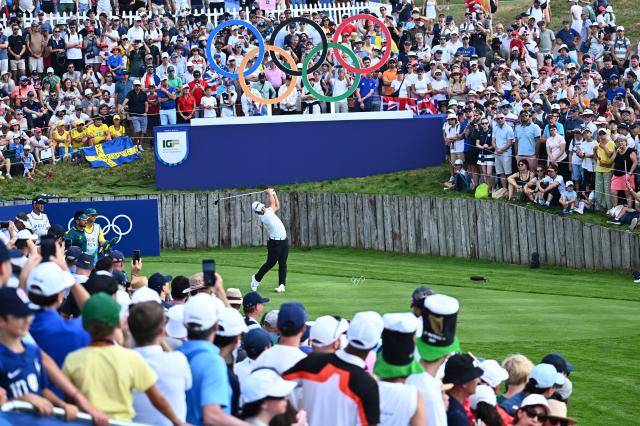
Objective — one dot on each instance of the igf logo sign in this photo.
(170, 143)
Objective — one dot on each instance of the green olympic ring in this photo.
(309, 87)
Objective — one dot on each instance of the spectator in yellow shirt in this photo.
(107, 373)
(61, 140)
(604, 162)
(97, 131)
(78, 138)
(117, 129)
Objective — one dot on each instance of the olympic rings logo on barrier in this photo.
(111, 226)
(322, 49)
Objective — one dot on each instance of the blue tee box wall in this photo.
(258, 154)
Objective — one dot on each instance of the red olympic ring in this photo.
(384, 58)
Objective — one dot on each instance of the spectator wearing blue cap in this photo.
(255, 342)
(565, 368)
(84, 265)
(118, 262)
(253, 305)
(544, 379)
(291, 325)
(160, 284)
(71, 256)
(21, 374)
(614, 88)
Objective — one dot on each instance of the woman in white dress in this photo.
(429, 9)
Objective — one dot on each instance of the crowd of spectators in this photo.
(80, 335)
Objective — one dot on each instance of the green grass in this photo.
(590, 317)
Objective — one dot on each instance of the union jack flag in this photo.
(423, 106)
(397, 104)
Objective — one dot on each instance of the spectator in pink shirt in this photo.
(275, 76)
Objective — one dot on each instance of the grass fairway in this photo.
(590, 317)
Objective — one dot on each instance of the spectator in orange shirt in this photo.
(389, 76)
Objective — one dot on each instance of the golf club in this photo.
(236, 196)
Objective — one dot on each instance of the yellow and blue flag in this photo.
(111, 153)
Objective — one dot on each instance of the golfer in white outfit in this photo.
(277, 246)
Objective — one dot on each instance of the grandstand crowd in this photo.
(538, 114)
(79, 333)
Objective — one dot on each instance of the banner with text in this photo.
(133, 222)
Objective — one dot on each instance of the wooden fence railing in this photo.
(465, 228)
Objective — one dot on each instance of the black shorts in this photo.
(471, 157)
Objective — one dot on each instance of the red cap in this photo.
(37, 130)
(514, 33)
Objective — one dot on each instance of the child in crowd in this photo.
(146, 323)
(108, 373)
(22, 375)
(29, 164)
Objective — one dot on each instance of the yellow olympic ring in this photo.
(243, 82)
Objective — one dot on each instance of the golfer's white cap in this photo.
(257, 206)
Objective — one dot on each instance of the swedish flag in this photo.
(111, 153)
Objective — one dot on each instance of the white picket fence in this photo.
(334, 11)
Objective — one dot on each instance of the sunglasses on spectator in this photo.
(522, 164)
(560, 422)
(499, 118)
(533, 413)
(539, 170)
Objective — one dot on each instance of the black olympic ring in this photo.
(323, 39)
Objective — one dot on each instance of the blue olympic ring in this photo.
(211, 39)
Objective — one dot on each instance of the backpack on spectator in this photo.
(482, 191)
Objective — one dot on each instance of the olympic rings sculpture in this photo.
(293, 71)
(111, 225)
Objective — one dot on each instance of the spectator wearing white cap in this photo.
(400, 404)
(543, 381)
(437, 341)
(278, 244)
(326, 333)
(265, 397)
(320, 376)
(146, 323)
(483, 406)
(175, 331)
(231, 327)
(209, 399)
(47, 284)
(493, 377)
(533, 411)
(454, 139)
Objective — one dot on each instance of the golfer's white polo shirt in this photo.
(275, 227)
